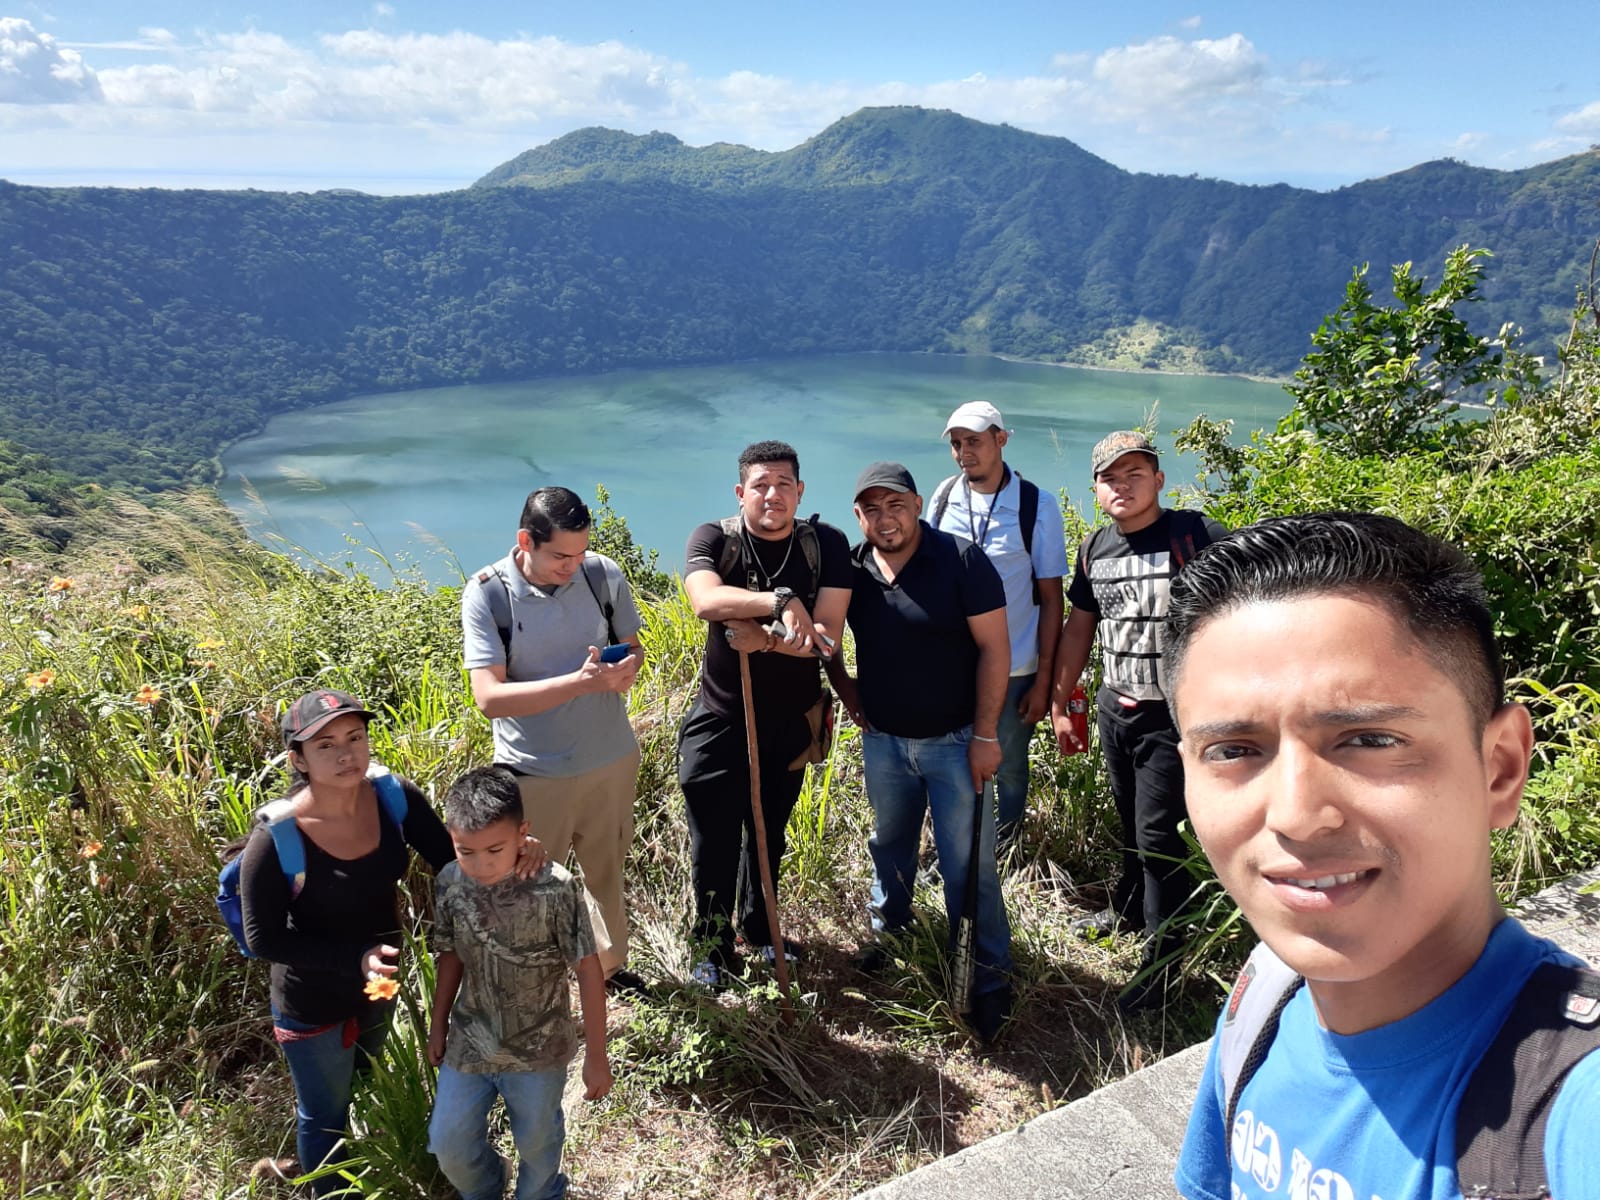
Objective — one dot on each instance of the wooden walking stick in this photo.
(780, 960)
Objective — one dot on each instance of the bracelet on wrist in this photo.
(978, 737)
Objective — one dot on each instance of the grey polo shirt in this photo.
(551, 632)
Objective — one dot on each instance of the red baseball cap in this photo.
(315, 709)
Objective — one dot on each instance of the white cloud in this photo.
(1215, 105)
(380, 9)
(36, 69)
(1190, 22)
(1584, 122)
(1167, 78)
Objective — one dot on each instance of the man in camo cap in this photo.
(1119, 587)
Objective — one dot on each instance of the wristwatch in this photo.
(780, 601)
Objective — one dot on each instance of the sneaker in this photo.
(1153, 987)
(286, 1170)
(623, 982)
(791, 954)
(873, 958)
(1096, 927)
(709, 976)
(990, 1012)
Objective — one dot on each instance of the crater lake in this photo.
(437, 477)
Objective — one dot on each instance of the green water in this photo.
(440, 475)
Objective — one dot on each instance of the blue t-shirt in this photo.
(1372, 1116)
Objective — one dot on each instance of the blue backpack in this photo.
(278, 817)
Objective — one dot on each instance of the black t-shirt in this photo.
(315, 940)
(916, 658)
(1125, 581)
(784, 685)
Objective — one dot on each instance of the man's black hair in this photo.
(1435, 589)
(767, 452)
(480, 798)
(551, 508)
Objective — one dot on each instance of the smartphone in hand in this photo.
(616, 653)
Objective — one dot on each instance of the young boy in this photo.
(1119, 590)
(505, 944)
(1347, 749)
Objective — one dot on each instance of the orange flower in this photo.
(147, 695)
(90, 849)
(38, 680)
(382, 988)
(139, 612)
(61, 583)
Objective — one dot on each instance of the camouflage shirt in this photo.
(518, 941)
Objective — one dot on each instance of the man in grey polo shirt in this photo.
(534, 626)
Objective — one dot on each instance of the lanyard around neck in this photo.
(979, 533)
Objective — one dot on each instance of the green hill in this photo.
(145, 328)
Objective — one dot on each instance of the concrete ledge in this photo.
(1121, 1142)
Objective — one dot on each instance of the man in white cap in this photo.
(1018, 526)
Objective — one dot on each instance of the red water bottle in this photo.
(1078, 715)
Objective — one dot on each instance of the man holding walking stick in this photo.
(774, 587)
(933, 658)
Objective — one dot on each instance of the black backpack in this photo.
(1027, 512)
(499, 598)
(1553, 1023)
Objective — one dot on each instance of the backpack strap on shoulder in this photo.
(1500, 1126)
(811, 551)
(731, 565)
(391, 793)
(594, 574)
(499, 599)
(1027, 518)
(278, 817)
(941, 499)
(1250, 1022)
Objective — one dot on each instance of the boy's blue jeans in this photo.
(458, 1134)
(905, 778)
(324, 1068)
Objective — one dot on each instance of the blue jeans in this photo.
(905, 778)
(1011, 784)
(458, 1134)
(324, 1069)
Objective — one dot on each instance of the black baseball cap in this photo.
(315, 709)
(889, 475)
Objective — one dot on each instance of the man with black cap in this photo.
(932, 658)
(1018, 526)
(1120, 587)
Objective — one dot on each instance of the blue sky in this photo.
(398, 96)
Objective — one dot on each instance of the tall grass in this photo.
(138, 732)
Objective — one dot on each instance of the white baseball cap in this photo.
(976, 415)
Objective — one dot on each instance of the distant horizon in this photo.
(410, 96)
(422, 183)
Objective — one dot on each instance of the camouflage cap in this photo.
(1114, 445)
